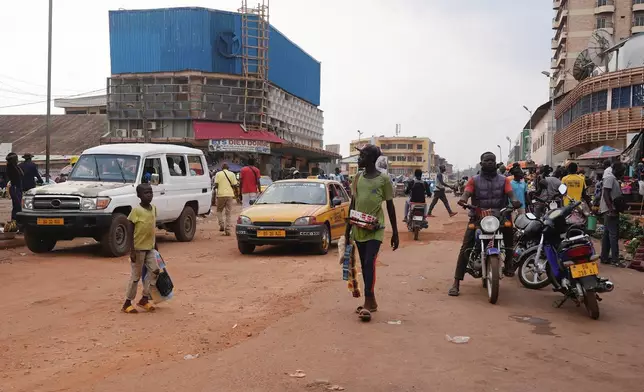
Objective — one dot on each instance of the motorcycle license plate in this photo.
(418, 218)
(491, 236)
(585, 269)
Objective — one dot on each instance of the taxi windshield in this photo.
(106, 168)
(294, 193)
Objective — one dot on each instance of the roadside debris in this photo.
(190, 356)
(298, 374)
(394, 322)
(458, 339)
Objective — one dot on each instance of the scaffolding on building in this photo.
(254, 56)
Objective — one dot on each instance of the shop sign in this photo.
(240, 145)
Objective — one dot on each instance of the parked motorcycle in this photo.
(487, 256)
(416, 220)
(572, 265)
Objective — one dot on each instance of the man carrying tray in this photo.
(366, 221)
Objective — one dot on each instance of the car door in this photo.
(154, 165)
(339, 213)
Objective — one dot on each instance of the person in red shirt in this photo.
(250, 185)
(488, 190)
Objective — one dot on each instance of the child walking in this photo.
(142, 232)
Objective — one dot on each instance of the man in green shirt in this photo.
(370, 189)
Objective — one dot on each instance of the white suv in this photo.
(101, 191)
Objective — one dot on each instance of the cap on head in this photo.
(27, 156)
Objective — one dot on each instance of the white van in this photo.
(101, 191)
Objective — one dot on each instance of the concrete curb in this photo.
(11, 244)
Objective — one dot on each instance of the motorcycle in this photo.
(529, 258)
(572, 265)
(487, 257)
(416, 220)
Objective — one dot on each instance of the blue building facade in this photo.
(199, 39)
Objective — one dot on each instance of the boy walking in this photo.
(142, 232)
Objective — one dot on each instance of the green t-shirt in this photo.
(369, 196)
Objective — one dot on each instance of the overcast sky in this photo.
(458, 72)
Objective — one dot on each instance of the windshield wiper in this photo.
(98, 175)
(121, 169)
(294, 202)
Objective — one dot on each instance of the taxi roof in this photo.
(310, 180)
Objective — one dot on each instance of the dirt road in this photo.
(254, 319)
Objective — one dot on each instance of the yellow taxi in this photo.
(299, 211)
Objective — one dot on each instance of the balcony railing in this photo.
(604, 6)
(638, 5)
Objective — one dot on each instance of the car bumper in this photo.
(75, 224)
(292, 234)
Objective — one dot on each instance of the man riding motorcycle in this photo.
(488, 190)
(416, 189)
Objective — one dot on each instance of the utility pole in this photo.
(359, 136)
(48, 127)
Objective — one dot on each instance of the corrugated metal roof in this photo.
(200, 39)
(70, 133)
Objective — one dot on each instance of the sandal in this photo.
(147, 306)
(453, 292)
(364, 315)
(129, 309)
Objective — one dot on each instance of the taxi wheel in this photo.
(245, 248)
(325, 241)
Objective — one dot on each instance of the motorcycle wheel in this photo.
(591, 304)
(416, 232)
(494, 264)
(527, 267)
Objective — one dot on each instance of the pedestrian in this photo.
(439, 193)
(338, 175)
(370, 189)
(611, 205)
(520, 190)
(250, 185)
(225, 184)
(15, 177)
(31, 176)
(143, 253)
(576, 184)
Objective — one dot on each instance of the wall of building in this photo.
(199, 39)
(405, 154)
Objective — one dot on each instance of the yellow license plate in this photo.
(586, 269)
(50, 221)
(271, 233)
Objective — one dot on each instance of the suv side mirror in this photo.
(154, 179)
(336, 202)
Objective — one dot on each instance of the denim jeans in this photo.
(610, 239)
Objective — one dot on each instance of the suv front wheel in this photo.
(186, 226)
(38, 243)
(116, 241)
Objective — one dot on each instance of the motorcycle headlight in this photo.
(95, 203)
(244, 220)
(490, 224)
(28, 202)
(304, 221)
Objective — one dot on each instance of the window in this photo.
(152, 166)
(401, 146)
(621, 98)
(601, 3)
(598, 101)
(410, 146)
(340, 192)
(176, 165)
(585, 105)
(419, 146)
(106, 168)
(638, 95)
(638, 19)
(419, 159)
(391, 159)
(195, 165)
(603, 23)
(401, 158)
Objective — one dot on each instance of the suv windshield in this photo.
(105, 167)
(294, 193)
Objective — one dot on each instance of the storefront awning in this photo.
(312, 154)
(205, 130)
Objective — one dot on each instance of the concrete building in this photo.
(573, 25)
(96, 104)
(405, 153)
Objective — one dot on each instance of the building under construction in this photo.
(223, 81)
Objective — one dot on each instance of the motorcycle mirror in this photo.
(563, 189)
(531, 216)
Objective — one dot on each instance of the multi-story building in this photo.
(574, 24)
(229, 83)
(405, 153)
(604, 109)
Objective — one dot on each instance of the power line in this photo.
(37, 102)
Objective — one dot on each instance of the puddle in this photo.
(541, 326)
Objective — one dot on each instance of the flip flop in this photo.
(147, 306)
(129, 309)
(453, 292)
(365, 315)
(360, 308)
